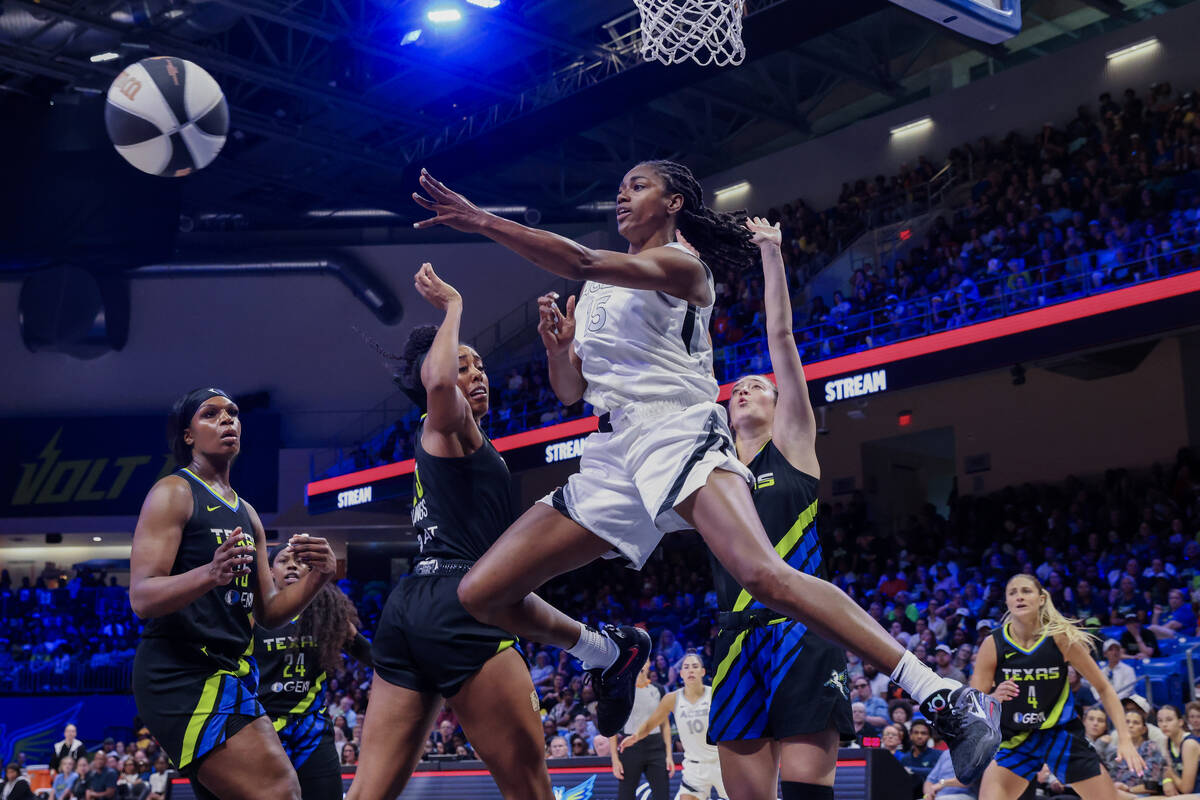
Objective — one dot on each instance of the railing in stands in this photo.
(43, 678)
(1004, 295)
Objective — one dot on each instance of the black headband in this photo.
(193, 401)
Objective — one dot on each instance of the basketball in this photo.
(166, 116)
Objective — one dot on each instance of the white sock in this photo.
(919, 680)
(594, 649)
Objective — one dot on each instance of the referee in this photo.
(651, 756)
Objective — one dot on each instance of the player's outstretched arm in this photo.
(448, 410)
(657, 719)
(1078, 657)
(664, 269)
(795, 429)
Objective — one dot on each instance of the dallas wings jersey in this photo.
(1041, 675)
(786, 501)
(290, 677)
(640, 345)
(218, 622)
(691, 720)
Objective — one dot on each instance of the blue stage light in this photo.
(440, 15)
(411, 36)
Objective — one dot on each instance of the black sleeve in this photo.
(360, 650)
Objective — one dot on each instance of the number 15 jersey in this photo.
(640, 345)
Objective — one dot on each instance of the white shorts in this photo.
(700, 778)
(630, 480)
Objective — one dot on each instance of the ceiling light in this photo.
(1136, 47)
(736, 188)
(484, 3)
(106, 56)
(411, 36)
(598, 206)
(440, 15)
(351, 213)
(505, 209)
(97, 539)
(910, 127)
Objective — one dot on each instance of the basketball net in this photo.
(706, 31)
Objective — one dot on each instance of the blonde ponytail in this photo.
(1051, 621)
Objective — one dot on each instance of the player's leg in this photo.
(250, 764)
(542, 544)
(393, 739)
(808, 764)
(750, 768)
(1001, 783)
(724, 514)
(498, 710)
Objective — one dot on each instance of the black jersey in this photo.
(1040, 672)
(460, 505)
(290, 680)
(786, 501)
(1175, 752)
(218, 623)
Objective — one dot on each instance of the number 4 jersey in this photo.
(1040, 672)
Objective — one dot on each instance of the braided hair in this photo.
(406, 366)
(720, 237)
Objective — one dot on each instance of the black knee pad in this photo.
(806, 791)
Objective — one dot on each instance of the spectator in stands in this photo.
(865, 734)
(943, 655)
(1183, 751)
(349, 754)
(129, 784)
(1119, 674)
(893, 739)
(876, 707)
(1124, 778)
(943, 785)
(669, 648)
(65, 780)
(1083, 695)
(16, 785)
(159, 779)
(900, 712)
(67, 746)
(82, 769)
(1095, 730)
(541, 671)
(558, 748)
(1177, 619)
(920, 757)
(101, 780)
(1136, 641)
(1192, 714)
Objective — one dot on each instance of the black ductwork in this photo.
(372, 292)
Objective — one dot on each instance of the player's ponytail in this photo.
(720, 237)
(1051, 621)
(406, 366)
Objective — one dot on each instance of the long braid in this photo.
(720, 237)
(406, 365)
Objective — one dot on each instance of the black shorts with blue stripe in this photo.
(775, 679)
(308, 741)
(1063, 748)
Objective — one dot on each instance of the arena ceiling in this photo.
(533, 104)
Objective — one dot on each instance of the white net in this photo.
(706, 31)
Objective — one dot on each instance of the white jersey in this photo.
(691, 720)
(639, 344)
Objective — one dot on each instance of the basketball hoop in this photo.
(706, 31)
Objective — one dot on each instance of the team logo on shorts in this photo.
(840, 681)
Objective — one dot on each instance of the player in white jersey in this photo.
(690, 705)
(663, 457)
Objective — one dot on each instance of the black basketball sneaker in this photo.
(615, 685)
(969, 721)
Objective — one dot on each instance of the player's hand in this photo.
(670, 763)
(1129, 756)
(763, 233)
(233, 557)
(628, 741)
(556, 328)
(449, 207)
(315, 552)
(436, 291)
(1170, 789)
(1006, 691)
(618, 770)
